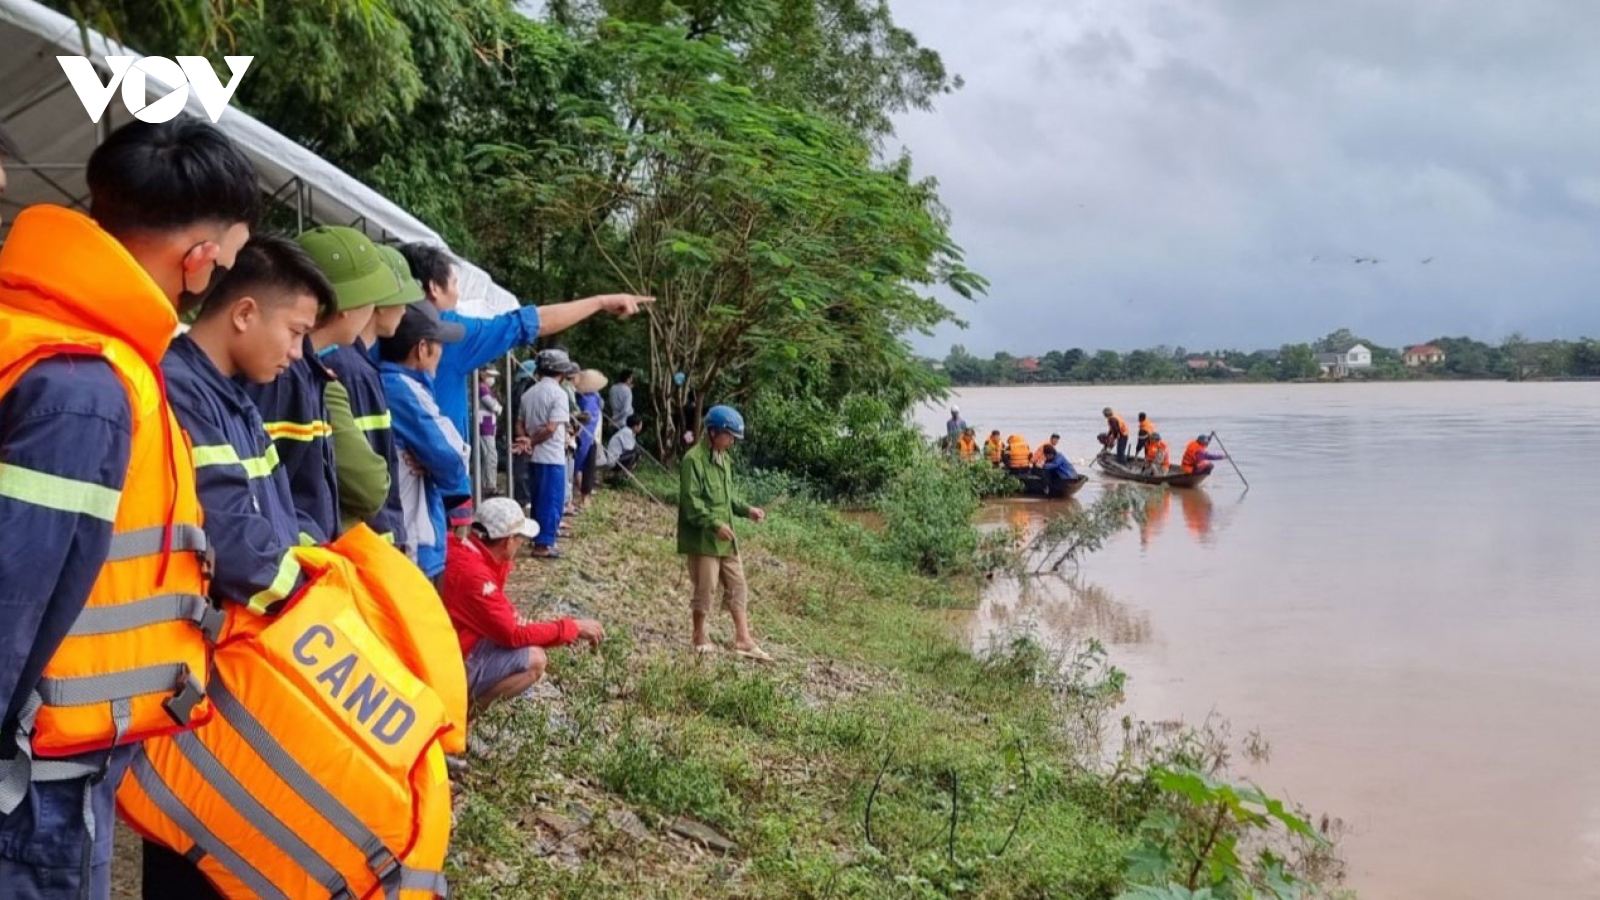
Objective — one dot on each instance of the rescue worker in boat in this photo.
(994, 449)
(1017, 455)
(1116, 434)
(967, 445)
(1155, 453)
(1196, 456)
(1054, 464)
(1146, 428)
(1038, 455)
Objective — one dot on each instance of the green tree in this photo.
(1297, 361)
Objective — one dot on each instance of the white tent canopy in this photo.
(46, 138)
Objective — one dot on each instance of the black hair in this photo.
(1049, 451)
(430, 264)
(1055, 437)
(635, 420)
(396, 350)
(624, 376)
(168, 175)
(273, 270)
(1142, 417)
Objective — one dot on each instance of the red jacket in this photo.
(475, 597)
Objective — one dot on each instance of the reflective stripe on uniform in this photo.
(149, 611)
(225, 455)
(88, 689)
(375, 423)
(298, 431)
(282, 584)
(161, 795)
(378, 855)
(260, 818)
(55, 492)
(150, 541)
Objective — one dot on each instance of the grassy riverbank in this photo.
(644, 771)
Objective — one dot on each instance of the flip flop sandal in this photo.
(548, 554)
(755, 653)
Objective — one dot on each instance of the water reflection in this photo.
(1059, 611)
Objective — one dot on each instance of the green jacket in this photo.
(363, 474)
(705, 502)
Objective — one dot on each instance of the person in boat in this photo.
(1197, 456)
(1017, 455)
(1116, 434)
(1155, 453)
(953, 427)
(1054, 464)
(1038, 455)
(967, 445)
(994, 449)
(1145, 428)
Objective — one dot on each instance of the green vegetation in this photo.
(1516, 358)
(877, 758)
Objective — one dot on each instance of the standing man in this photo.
(487, 340)
(1116, 434)
(953, 428)
(360, 388)
(542, 428)
(96, 481)
(1146, 429)
(621, 405)
(433, 466)
(706, 509)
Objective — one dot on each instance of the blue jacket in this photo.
(1061, 467)
(358, 372)
(591, 404)
(486, 341)
(422, 432)
(295, 412)
(244, 491)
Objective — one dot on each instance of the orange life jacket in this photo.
(1191, 456)
(1147, 428)
(322, 773)
(1116, 426)
(1155, 452)
(994, 450)
(968, 447)
(1037, 458)
(135, 663)
(1017, 455)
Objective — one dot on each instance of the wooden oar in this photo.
(1231, 460)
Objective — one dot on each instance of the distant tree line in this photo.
(1515, 358)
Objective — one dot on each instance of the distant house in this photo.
(1341, 364)
(1196, 365)
(1422, 355)
(1028, 364)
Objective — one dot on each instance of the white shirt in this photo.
(620, 443)
(542, 404)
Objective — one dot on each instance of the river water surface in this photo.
(1406, 603)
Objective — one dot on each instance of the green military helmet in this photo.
(351, 262)
(409, 289)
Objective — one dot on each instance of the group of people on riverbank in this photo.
(250, 601)
(1150, 452)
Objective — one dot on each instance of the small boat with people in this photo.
(1048, 484)
(1138, 471)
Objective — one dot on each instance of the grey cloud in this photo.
(1134, 172)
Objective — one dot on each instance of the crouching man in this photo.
(503, 653)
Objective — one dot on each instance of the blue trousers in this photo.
(43, 843)
(547, 492)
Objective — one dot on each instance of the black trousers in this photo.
(168, 876)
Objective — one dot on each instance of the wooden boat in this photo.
(1135, 471)
(1038, 484)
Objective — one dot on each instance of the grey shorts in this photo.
(489, 664)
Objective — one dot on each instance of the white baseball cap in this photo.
(502, 517)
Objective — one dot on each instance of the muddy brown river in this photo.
(1406, 603)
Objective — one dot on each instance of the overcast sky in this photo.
(1202, 172)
